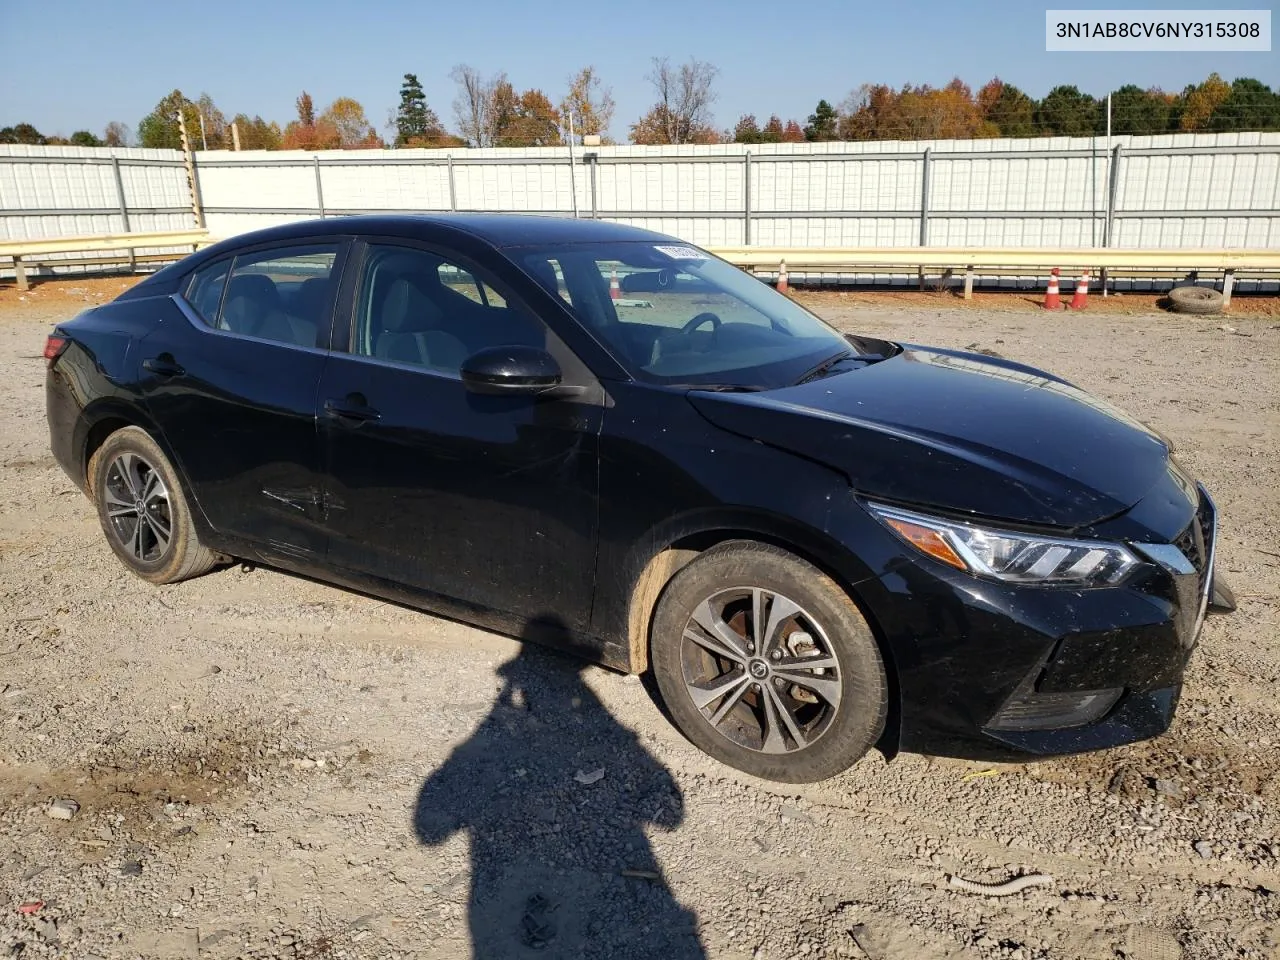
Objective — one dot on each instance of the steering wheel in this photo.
(699, 320)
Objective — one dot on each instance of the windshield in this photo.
(673, 314)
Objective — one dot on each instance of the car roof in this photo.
(496, 229)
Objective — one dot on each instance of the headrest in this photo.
(544, 273)
(255, 287)
(407, 309)
(312, 295)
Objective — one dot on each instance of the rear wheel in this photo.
(767, 665)
(143, 510)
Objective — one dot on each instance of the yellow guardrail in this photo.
(1227, 261)
(28, 251)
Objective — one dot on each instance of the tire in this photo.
(130, 464)
(720, 587)
(1196, 300)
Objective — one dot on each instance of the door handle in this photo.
(163, 366)
(350, 408)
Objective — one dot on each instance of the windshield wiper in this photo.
(822, 369)
(721, 387)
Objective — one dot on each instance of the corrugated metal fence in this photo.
(1170, 191)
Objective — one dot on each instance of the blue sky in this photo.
(76, 64)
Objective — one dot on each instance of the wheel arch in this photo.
(679, 542)
(99, 420)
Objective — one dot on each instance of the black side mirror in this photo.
(510, 370)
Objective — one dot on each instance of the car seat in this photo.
(411, 329)
(253, 309)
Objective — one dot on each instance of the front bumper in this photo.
(997, 671)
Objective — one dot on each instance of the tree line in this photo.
(490, 111)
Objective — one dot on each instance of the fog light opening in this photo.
(1028, 710)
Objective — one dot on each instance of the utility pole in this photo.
(1106, 230)
(189, 161)
(573, 173)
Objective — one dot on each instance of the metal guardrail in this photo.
(1010, 260)
(24, 252)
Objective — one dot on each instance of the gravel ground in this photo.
(265, 766)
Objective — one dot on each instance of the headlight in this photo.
(1010, 556)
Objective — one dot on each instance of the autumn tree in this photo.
(867, 113)
(822, 123)
(346, 115)
(306, 110)
(22, 133)
(537, 122)
(746, 130)
(1251, 105)
(932, 113)
(306, 133)
(117, 134)
(502, 113)
(1007, 109)
(792, 132)
(773, 130)
(683, 111)
(257, 134)
(591, 103)
(1199, 101)
(160, 128)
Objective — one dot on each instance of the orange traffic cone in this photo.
(783, 287)
(615, 291)
(1081, 299)
(1052, 299)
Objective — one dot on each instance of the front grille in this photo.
(1191, 542)
(1196, 541)
(1196, 544)
(1206, 524)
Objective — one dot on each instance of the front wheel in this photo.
(767, 665)
(143, 510)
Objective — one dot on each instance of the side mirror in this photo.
(510, 370)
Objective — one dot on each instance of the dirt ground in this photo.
(270, 767)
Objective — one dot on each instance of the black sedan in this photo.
(610, 439)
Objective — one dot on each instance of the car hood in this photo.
(961, 432)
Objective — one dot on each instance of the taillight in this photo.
(54, 347)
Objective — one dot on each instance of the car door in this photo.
(489, 500)
(231, 383)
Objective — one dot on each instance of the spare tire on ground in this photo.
(1202, 300)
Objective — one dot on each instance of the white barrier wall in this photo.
(1168, 191)
(66, 191)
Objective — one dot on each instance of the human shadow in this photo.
(560, 862)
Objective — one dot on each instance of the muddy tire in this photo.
(767, 665)
(1196, 300)
(144, 511)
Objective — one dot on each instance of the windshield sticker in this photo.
(682, 253)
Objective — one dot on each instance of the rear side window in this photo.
(284, 294)
(204, 290)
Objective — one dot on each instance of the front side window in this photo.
(420, 308)
(674, 314)
(284, 294)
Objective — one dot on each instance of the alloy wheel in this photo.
(138, 507)
(761, 670)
